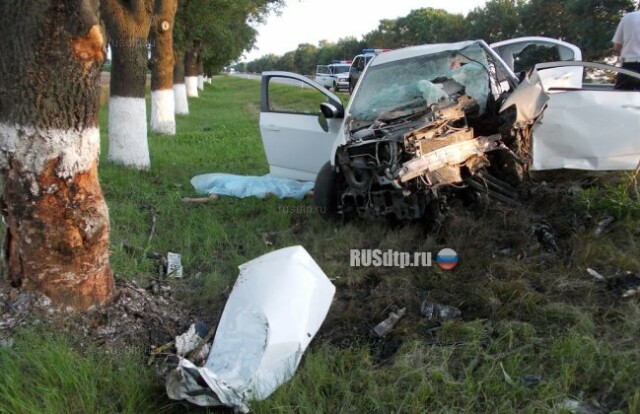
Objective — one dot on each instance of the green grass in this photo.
(530, 313)
(43, 373)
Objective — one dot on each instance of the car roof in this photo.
(428, 49)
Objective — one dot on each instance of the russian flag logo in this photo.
(447, 259)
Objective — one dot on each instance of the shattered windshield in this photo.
(421, 80)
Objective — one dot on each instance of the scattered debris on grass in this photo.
(531, 380)
(581, 407)
(545, 236)
(623, 285)
(202, 200)
(603, 225)
(174, 265)
(439, 312)
(195, 339)
(135, 318)
(383, 328)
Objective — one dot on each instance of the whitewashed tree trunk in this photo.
(179, 87)
(192, 86)
(180, 96)
(201, 82)
(163, 111)
(191, 67)
(57, 220)
(163, 117)
(128, 132)
(128, 23)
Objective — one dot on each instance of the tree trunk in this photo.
(163, 119)
(179, 88)
(128, 23)
(192, 69)
(57, 220)
(200, 73)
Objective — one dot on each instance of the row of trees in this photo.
(589, 24)
(51, 57)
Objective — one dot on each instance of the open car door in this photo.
(592, 127)
(297, 138)
(523, 53)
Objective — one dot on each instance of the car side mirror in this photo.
(322, 120)
(330, 110)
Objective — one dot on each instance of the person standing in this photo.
(626, 42)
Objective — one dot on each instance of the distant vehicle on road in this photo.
(359, 63)
(333, 76)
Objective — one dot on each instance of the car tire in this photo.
(325, 192)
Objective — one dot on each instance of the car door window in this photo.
(533, 54)
(289, 95)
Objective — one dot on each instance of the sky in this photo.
(309, 21)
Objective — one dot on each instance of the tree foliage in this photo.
(224, 27)
(593, 23)
(588, 23)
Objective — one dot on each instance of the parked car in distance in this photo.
(359, 63)
(342, 82)
(332, 76)
(433, 121)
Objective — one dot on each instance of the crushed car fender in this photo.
(277, 305)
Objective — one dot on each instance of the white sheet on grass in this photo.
(250, 186)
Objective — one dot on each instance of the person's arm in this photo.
(618, 38)
(617, 47)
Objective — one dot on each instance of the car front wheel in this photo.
(325, 193)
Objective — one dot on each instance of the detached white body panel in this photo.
(276, 307)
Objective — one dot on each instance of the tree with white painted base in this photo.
(179, 87)
(128, 23)
(200, 73)
(192, 61)
(163, 119)
(56, 217)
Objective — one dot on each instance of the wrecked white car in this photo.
(427, 120)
